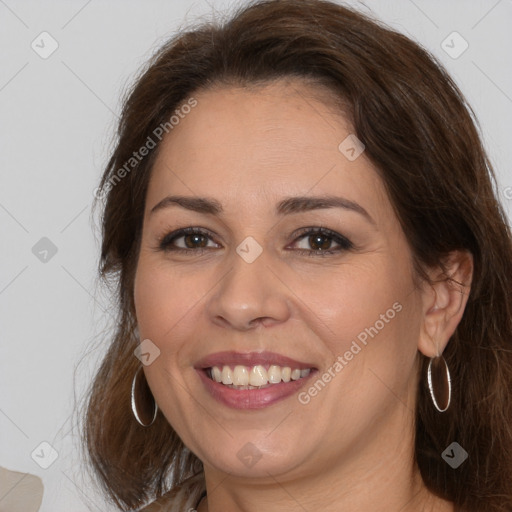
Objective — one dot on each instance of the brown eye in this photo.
(318, 242)
(186, 240)
(191, 241)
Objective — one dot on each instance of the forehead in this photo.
(254, 145)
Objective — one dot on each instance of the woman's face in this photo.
(256, 279)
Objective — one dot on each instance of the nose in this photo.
(250, 294)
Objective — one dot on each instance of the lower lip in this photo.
(252, 398)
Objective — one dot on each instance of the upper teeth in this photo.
(256, 375)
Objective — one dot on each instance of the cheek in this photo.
(170, 303)
(348, 299)
(164, 315)
(152, 301)
(366, 315)
(162, 297)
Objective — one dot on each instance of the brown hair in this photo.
(420, 134)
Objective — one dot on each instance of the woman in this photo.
(313, 277)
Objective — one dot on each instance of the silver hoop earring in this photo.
(142, 389)
(440, 376)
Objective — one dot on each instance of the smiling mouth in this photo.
(255, 377)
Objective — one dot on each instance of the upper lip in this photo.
(249, 359)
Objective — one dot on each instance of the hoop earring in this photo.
(143, 389)
(447, 387)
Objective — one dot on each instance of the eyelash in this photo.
(164, 243)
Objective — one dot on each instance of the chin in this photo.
(254, 460)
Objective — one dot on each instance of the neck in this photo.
(368, 478)
(284, 498)
(376, 472)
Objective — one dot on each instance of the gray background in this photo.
(57, 120)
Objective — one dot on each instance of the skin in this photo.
(351, 447)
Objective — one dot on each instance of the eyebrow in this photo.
(286, 206)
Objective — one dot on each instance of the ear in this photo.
(444, 301)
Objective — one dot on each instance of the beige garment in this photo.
(20, 492)
(184, 498)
